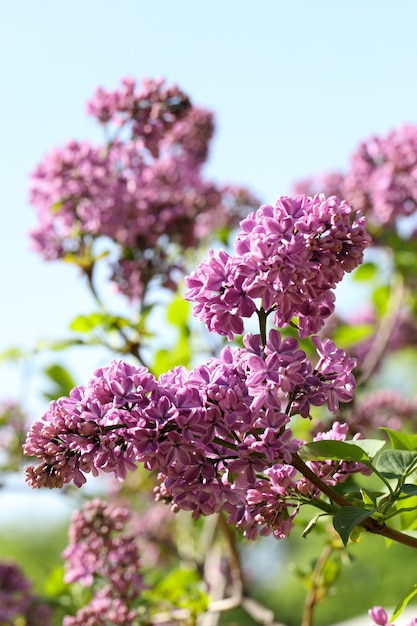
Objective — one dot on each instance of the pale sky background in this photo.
(295, 86)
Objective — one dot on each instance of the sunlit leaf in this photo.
(365, 272)
(381, 297)
(12, 354)
(178, 312)
(411, 593)
(62, 379)
(347, 335)
(330, 450)
(401, 441)
(87, 323)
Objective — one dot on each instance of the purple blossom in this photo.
(379, 615)
(100, 549)
(142, 193)
(288, 257)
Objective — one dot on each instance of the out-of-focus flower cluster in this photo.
(17, 603)
(13, 431)
(102, 555)
(142, 190)
(381, 179)
(289, 257)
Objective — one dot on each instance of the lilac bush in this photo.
(277, 419)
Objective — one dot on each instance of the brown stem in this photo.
(370, 524)
(383, 332)
(311, 599)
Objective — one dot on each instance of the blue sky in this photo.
(294, 85)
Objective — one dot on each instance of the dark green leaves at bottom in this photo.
(347, 518)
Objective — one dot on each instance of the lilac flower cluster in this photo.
(17, 603)
(381, 179)
(216, 434)
(383, 407)
(288, 257)
(103, 556)
(143, 190)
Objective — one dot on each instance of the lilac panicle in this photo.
(142, 190)
(214, 433)
(288, 257)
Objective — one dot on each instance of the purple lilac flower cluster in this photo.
(288, 257)
(381, 179)
(101, 552)
(219, 435)
(17, 603)
(143, 190)
(216, 434)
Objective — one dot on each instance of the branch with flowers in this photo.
(221, 438)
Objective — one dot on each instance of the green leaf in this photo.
(365, 272)
(182, 588)
(395, 463)
(370, 446)
(63, 380)
(347, 518)
(165, 360)
(370, 497)
(330, 450)
(178, 312)
(401, 441)
(12, 354)
(312, 524)
(404, 602)
(381, 298)
(347, 335)
(87, 323)
(410, 489)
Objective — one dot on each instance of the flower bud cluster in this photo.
(102, 554)
(143, 190)
(289, 257)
